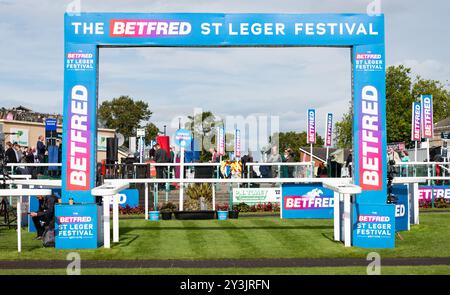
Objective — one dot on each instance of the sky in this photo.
(279, 82)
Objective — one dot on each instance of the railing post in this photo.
(106, 221)
(337, 217)
(19, 225)
(116, 218)
(347, 221)
(146, 201)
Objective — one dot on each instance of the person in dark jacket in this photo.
(10, 153)
(160, 157)
(45, 216)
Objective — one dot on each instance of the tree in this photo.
(344, 130)
(203, 129)
(124, 115)
(294, 140)
(401, 91)
(151, 131)
(441, 96)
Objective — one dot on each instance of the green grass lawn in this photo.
(258, 237)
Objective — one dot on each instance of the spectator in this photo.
(274, 158)
(18, 151)
(322, 170)
(152, 152)
(289, 158)
(40, 150)
(10, 153)
(404, 157)
(215, 158)
(349, 163)
(160, 157)
(45, 216)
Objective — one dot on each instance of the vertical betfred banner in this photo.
(80, 122)
(374, 219)
(369, 123)
(329, 130)
(237, 143)
(311, 126)
(427, 116)
(220, 141)
(416, 121)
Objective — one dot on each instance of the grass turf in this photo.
(246, 238)
(387, 270)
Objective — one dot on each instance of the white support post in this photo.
(116, 218)
(106, 226)
(347, 221)
(146, 201)
(181, 178)
(19, 227)
(415, 203)
(337, 218)
(213, 186)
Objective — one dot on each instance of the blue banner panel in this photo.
(217, 29)
(373, 226)
(33, 206)
(78, 226)
(129, 197)
(400, 191)
(80, 122)
(50, 124)
(369, 123)
(306, 201)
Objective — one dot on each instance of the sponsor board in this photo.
(306, 201)
(253, 196)
(78, 226)
(400, 191)
(373, 226)
(428, 192)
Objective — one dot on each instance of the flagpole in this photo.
(415, 151)
(312, 161)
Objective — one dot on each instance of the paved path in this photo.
(290, 262)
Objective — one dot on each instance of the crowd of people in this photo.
(15, 153)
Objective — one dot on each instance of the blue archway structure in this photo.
(87, 32)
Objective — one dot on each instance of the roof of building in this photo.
(320, 153)
(443, 124)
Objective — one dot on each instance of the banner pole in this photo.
(415, 151)
(312, 161)
(429, 159)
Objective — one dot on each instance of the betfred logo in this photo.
(370, 137)
(366, 56)
(311, 200)
(373, 218)
(74, 55)
(148, 28)
(78, 166)
(74, 219)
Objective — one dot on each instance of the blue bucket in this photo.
(154, 215)
(222, 215)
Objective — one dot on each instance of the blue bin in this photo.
(153, 215)
(222, 215)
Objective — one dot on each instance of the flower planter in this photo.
(194, 215)
(166, 215)
(234, 214)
